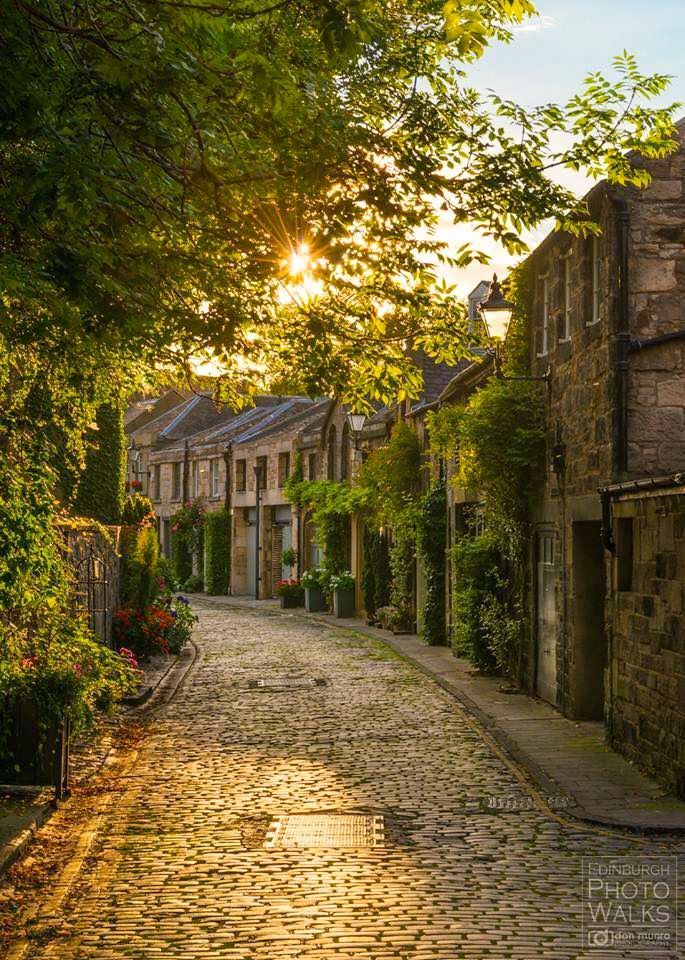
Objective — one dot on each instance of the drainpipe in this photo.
(258, 500)
(622, 340)
(228, 492)
(186, 472)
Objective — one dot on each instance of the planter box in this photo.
(35, 756)
(343, 603)
(290, 603)
(314, 600)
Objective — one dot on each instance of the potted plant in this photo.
(289, 557)
(342, 586)
(291, 593)
(314, 598)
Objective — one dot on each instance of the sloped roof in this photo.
(144, 412)
(284, 416)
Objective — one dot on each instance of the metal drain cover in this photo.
(330, 830)
(286, 683)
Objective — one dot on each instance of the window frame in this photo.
(283, 473)
(240, 482)
(567, 290)
(543, 279)
(595, 282)
(214, 480)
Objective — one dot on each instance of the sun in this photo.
(300, 261)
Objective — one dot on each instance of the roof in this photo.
(286, 416)
(144, 412)
(436, 377)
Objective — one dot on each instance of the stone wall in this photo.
(647, 636)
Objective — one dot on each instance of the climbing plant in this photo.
(100, 491)
(217, 545)
(431, 529)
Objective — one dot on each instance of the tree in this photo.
(167, 165)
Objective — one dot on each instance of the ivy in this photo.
(217, 530)
(376, 574)
(431, 528)
(101, 488)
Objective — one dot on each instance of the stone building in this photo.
(607, 571)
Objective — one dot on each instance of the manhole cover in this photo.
(286, 683)
(333, 830)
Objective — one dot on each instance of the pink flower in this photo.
(78, 670)
(29, 662)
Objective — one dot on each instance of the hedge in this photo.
(139, 548)
(217, 548)
(181, 557)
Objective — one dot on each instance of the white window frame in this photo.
(544, 280)
(214, 486)
(596, 272)
(568, 297)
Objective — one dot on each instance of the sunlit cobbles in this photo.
(188, 877)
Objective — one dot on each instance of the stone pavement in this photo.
(562, 755)
(470, 868)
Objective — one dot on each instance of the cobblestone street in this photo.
(179, 869)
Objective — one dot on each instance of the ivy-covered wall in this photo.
(101, 490)
(217, 548)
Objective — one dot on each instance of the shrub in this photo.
(476, 580)
(139, 549)
(217, 546)
(160, 628)
(290, 588)
(311, 579)
(376, 575)
(341, 581)
(431, 545)
(166, 576)
(136, 509)
(181, 557)
(194, 583)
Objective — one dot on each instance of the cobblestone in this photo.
(180, 870)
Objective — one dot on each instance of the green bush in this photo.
(100, 492)
(165, 572)
(181, 557)
(217, 537)
(431, 545)
(139, 548)
(194, 583)
(137, 508)
(376, 575)
(476, 576)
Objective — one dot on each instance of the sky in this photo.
(550, 56)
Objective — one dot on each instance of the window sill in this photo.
(565, 340)
(540, 356)
(593, 323)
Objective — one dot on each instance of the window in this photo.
(214, 485)
(624, 554)
(311, 468)
(567, 279)
(345, 453)
(262, 467)
(176, 480)
(156, 481)
(332, 441)
(543, 334)
(283, 467)
(195, 479)
(240, 475)
(596, 273)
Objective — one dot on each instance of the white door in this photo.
(546, 686)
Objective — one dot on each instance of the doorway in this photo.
(546, 618)
(589, 635)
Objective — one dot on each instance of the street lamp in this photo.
(356, 422)
(497, 312)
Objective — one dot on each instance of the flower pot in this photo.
(290, 603)
(314, 600)
(343, 603)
